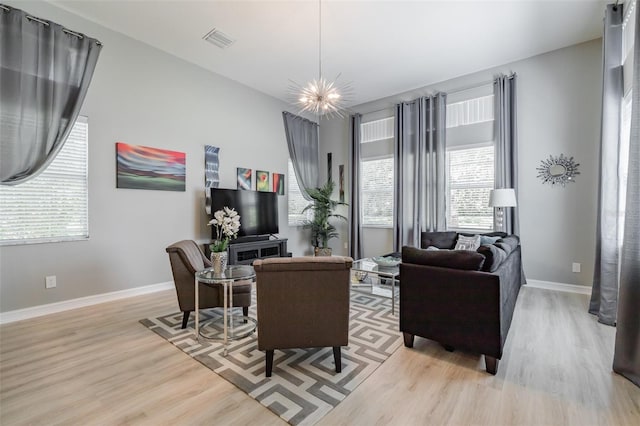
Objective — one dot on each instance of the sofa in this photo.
(463, 299)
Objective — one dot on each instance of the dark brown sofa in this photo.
(303, 302)
(462, 299)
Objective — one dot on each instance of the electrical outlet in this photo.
(575, 267)
(346, 245)
(50, 281)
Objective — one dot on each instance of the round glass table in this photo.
(233, 326)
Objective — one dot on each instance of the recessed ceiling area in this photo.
(381, 47)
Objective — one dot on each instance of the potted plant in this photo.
(323, 208)
(227, 224)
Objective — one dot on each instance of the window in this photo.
(377, 192)
(376, 168)
(54, 205)
(296, 201)
(470, 179)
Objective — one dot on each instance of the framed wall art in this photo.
(143, 167)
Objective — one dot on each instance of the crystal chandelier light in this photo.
(321, 96)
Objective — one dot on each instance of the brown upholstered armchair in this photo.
(186, 259)
(303, 302)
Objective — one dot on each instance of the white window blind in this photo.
(470, 179)
(54, 205)
(377, 192)
(470, 111)
(296, 202)
(377, 130)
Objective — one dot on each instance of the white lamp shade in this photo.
(505, 197)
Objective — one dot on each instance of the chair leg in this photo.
(185, 318)
(269, 365)
(492, 364)
(337, 358)
(408, 339)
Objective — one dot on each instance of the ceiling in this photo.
(380, 47)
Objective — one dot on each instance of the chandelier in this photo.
(321, 96)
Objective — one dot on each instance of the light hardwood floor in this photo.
(99, 366)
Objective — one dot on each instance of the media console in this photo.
(246, 253)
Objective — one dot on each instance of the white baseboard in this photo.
(550, 285)
(52, 308)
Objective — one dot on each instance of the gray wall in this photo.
(142, 96)
(558, 112)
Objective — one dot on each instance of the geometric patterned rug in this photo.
(304, 386)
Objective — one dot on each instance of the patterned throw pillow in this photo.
(468, 243)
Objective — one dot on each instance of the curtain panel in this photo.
(302, 140)
(626, 358)
(604, 293)
(506, 145)
(355, 213)
(45, 72)
(419, 167)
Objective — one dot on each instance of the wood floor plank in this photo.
(98, 365)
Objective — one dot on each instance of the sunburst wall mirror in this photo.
(558, 170)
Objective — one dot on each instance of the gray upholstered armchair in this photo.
(303, 302)
(186, 259)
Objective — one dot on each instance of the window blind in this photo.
(54, 205)
(296, 201)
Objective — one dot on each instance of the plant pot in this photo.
(219, 261)
(319, 251)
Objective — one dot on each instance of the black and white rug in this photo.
(304, 386)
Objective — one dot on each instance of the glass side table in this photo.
(365, 267)
(232, 274)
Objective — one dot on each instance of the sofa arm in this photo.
(454, 307)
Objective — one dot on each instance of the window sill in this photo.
(378, 226)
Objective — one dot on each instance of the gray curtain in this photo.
(45, 71)
(626, 358)
(604, 294)
(419, 165)
(355, 214)
(506, 145)
(302, 140)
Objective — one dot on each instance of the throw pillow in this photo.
(468, 243)
(432, 248)
(486, 240)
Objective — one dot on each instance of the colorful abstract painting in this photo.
(142, 167)
(262, 181)
(244, 178)
(278, 183)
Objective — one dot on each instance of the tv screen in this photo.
(258, 210)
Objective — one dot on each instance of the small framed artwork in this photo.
(244, 178)
(262, 181)
(142, 167)
(278, 183)
(341, 182)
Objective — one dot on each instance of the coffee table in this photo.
(368, 266)
(226, 278)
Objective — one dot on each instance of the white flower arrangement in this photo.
(227, 225)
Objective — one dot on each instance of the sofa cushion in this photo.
(494, 256)
(443, 240)
(464, 260)
(496, 253)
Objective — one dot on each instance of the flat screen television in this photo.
(258, 210)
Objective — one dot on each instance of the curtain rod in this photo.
(43, 22)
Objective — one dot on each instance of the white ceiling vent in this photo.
(219, 38)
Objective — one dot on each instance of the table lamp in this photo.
(501, 198)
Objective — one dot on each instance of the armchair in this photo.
(186, 259)
(303, 302)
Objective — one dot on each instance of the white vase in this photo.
(219, 261)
